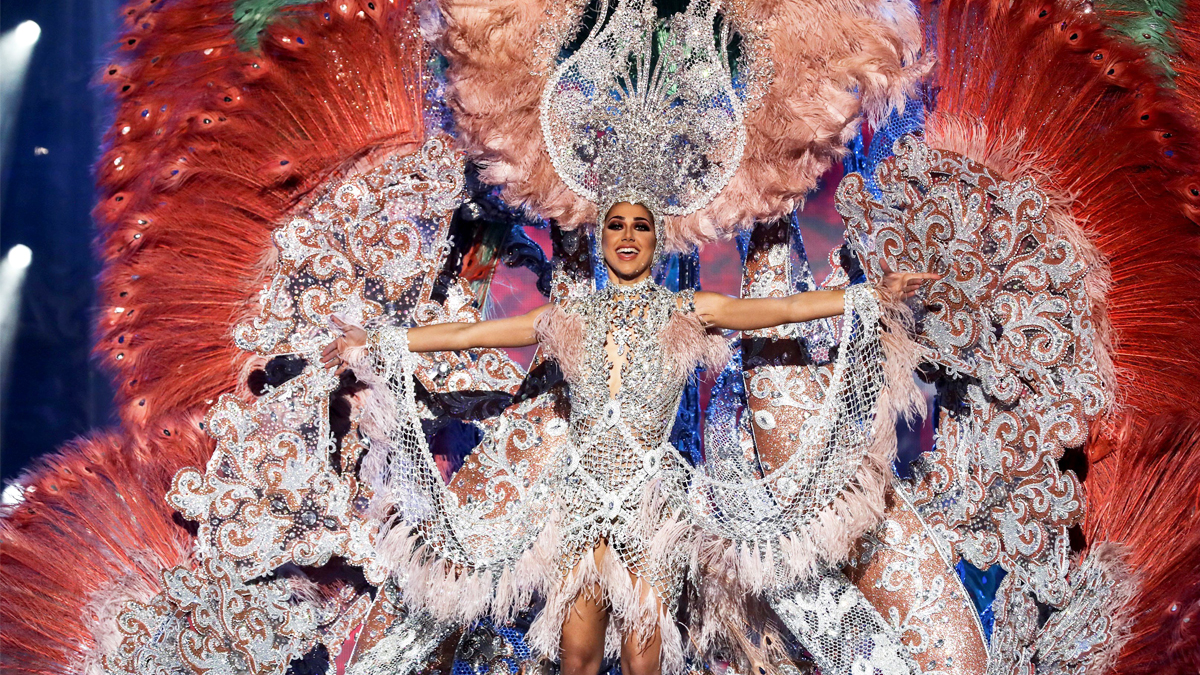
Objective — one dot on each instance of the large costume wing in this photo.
(227, 122)
(1058, 198)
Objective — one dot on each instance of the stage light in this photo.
(12, 277)
(18, 257)
(14, 493)
(16, 47)
(27, 33)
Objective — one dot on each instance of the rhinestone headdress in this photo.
(645, 111)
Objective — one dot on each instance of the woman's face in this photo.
(628, 242)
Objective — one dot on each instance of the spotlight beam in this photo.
(16, 46)
(12, 278)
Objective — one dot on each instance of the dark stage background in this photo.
(52, 391)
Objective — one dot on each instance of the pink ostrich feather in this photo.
(634, 604)
(690, 345)
(832, 61)
(560, 333)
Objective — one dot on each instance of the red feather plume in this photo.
(212, 146)
(93, 528)
(1147, 496)
(1045, 80)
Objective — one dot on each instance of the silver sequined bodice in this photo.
(630, 321)
(620, 443)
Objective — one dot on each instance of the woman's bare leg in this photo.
(582, 646)
(642, 654)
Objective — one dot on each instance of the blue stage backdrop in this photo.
(52, 390)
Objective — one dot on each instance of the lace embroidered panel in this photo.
(840, 628)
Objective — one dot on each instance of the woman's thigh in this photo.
(641, 653)
(583, 630)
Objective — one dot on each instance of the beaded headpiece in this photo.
(645, 111)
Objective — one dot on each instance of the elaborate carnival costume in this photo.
(269, 166)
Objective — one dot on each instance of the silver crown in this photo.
(645, 111)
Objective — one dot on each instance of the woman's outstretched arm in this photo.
(721, 311)
(515, 331)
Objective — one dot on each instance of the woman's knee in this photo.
(581, 661)
(644, 666)
(641, 656)
(582, 646)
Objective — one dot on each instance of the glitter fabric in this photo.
(903, 570)
(646, 112)
(616, 482)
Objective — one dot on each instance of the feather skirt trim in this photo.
(635, 607)
(452, 593)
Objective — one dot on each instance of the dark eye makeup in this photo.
(640, 226)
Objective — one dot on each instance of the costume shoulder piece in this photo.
(689, 343)
(560, 333)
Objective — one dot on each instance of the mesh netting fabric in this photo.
(738, 506)
(744, 503)
(840, 628)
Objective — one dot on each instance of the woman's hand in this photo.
(352, 336)
(903, 285)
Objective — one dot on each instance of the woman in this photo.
(626, 351)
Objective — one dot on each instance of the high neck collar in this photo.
(631, 289)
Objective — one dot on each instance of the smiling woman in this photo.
(629, 242)
(626, 351)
